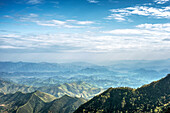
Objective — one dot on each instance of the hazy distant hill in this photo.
(154, 97)
(118, 74)
(38, 102)
(41, 67)
(78, 89)
(133, 64)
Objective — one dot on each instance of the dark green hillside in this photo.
(33, 105)
(38, 102)
(19, 101)
(65, 104)
(154, 97)
(11, 102)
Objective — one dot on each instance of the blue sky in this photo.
(84, 30)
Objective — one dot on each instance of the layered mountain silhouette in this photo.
(41, 67)
(133, 73)
(78, 89)
(154, 97)
(38, 102)
(150, 98)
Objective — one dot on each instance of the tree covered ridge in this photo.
(38, 102)
(151, 98)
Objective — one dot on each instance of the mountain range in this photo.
(150, 98)
(41, 67)
(78, 89)
(118, 74)
(27, 87)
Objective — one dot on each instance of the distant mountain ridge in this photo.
(38, 102)
(119, 74)
(40, 67)
(153, 97)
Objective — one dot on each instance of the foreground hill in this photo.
(38, 102)
(78, 89)
(154, 97)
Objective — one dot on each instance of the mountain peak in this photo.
(65, 95)
(168, 76)
(44, 96)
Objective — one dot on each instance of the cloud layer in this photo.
(161, 1)
(66, 24)
(123, 13)
(144, 37)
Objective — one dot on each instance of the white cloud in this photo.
(84, 22)
(34, 1)
(58, 22)
(7, 16)
(10, 47)
(32, 15)
(138, 32)
(50, 23)
(80, 22)
(161, 1)
(11, 35)
(144, 36)
(122, 14)
(118, 17)
(28, 18)
(66, 23)
(158, 27)
(72, 26)
(92, 1)
(45, 24)
(156, 30)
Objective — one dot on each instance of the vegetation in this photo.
(38, 102)
(151, 98)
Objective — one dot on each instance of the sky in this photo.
(84, 30)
